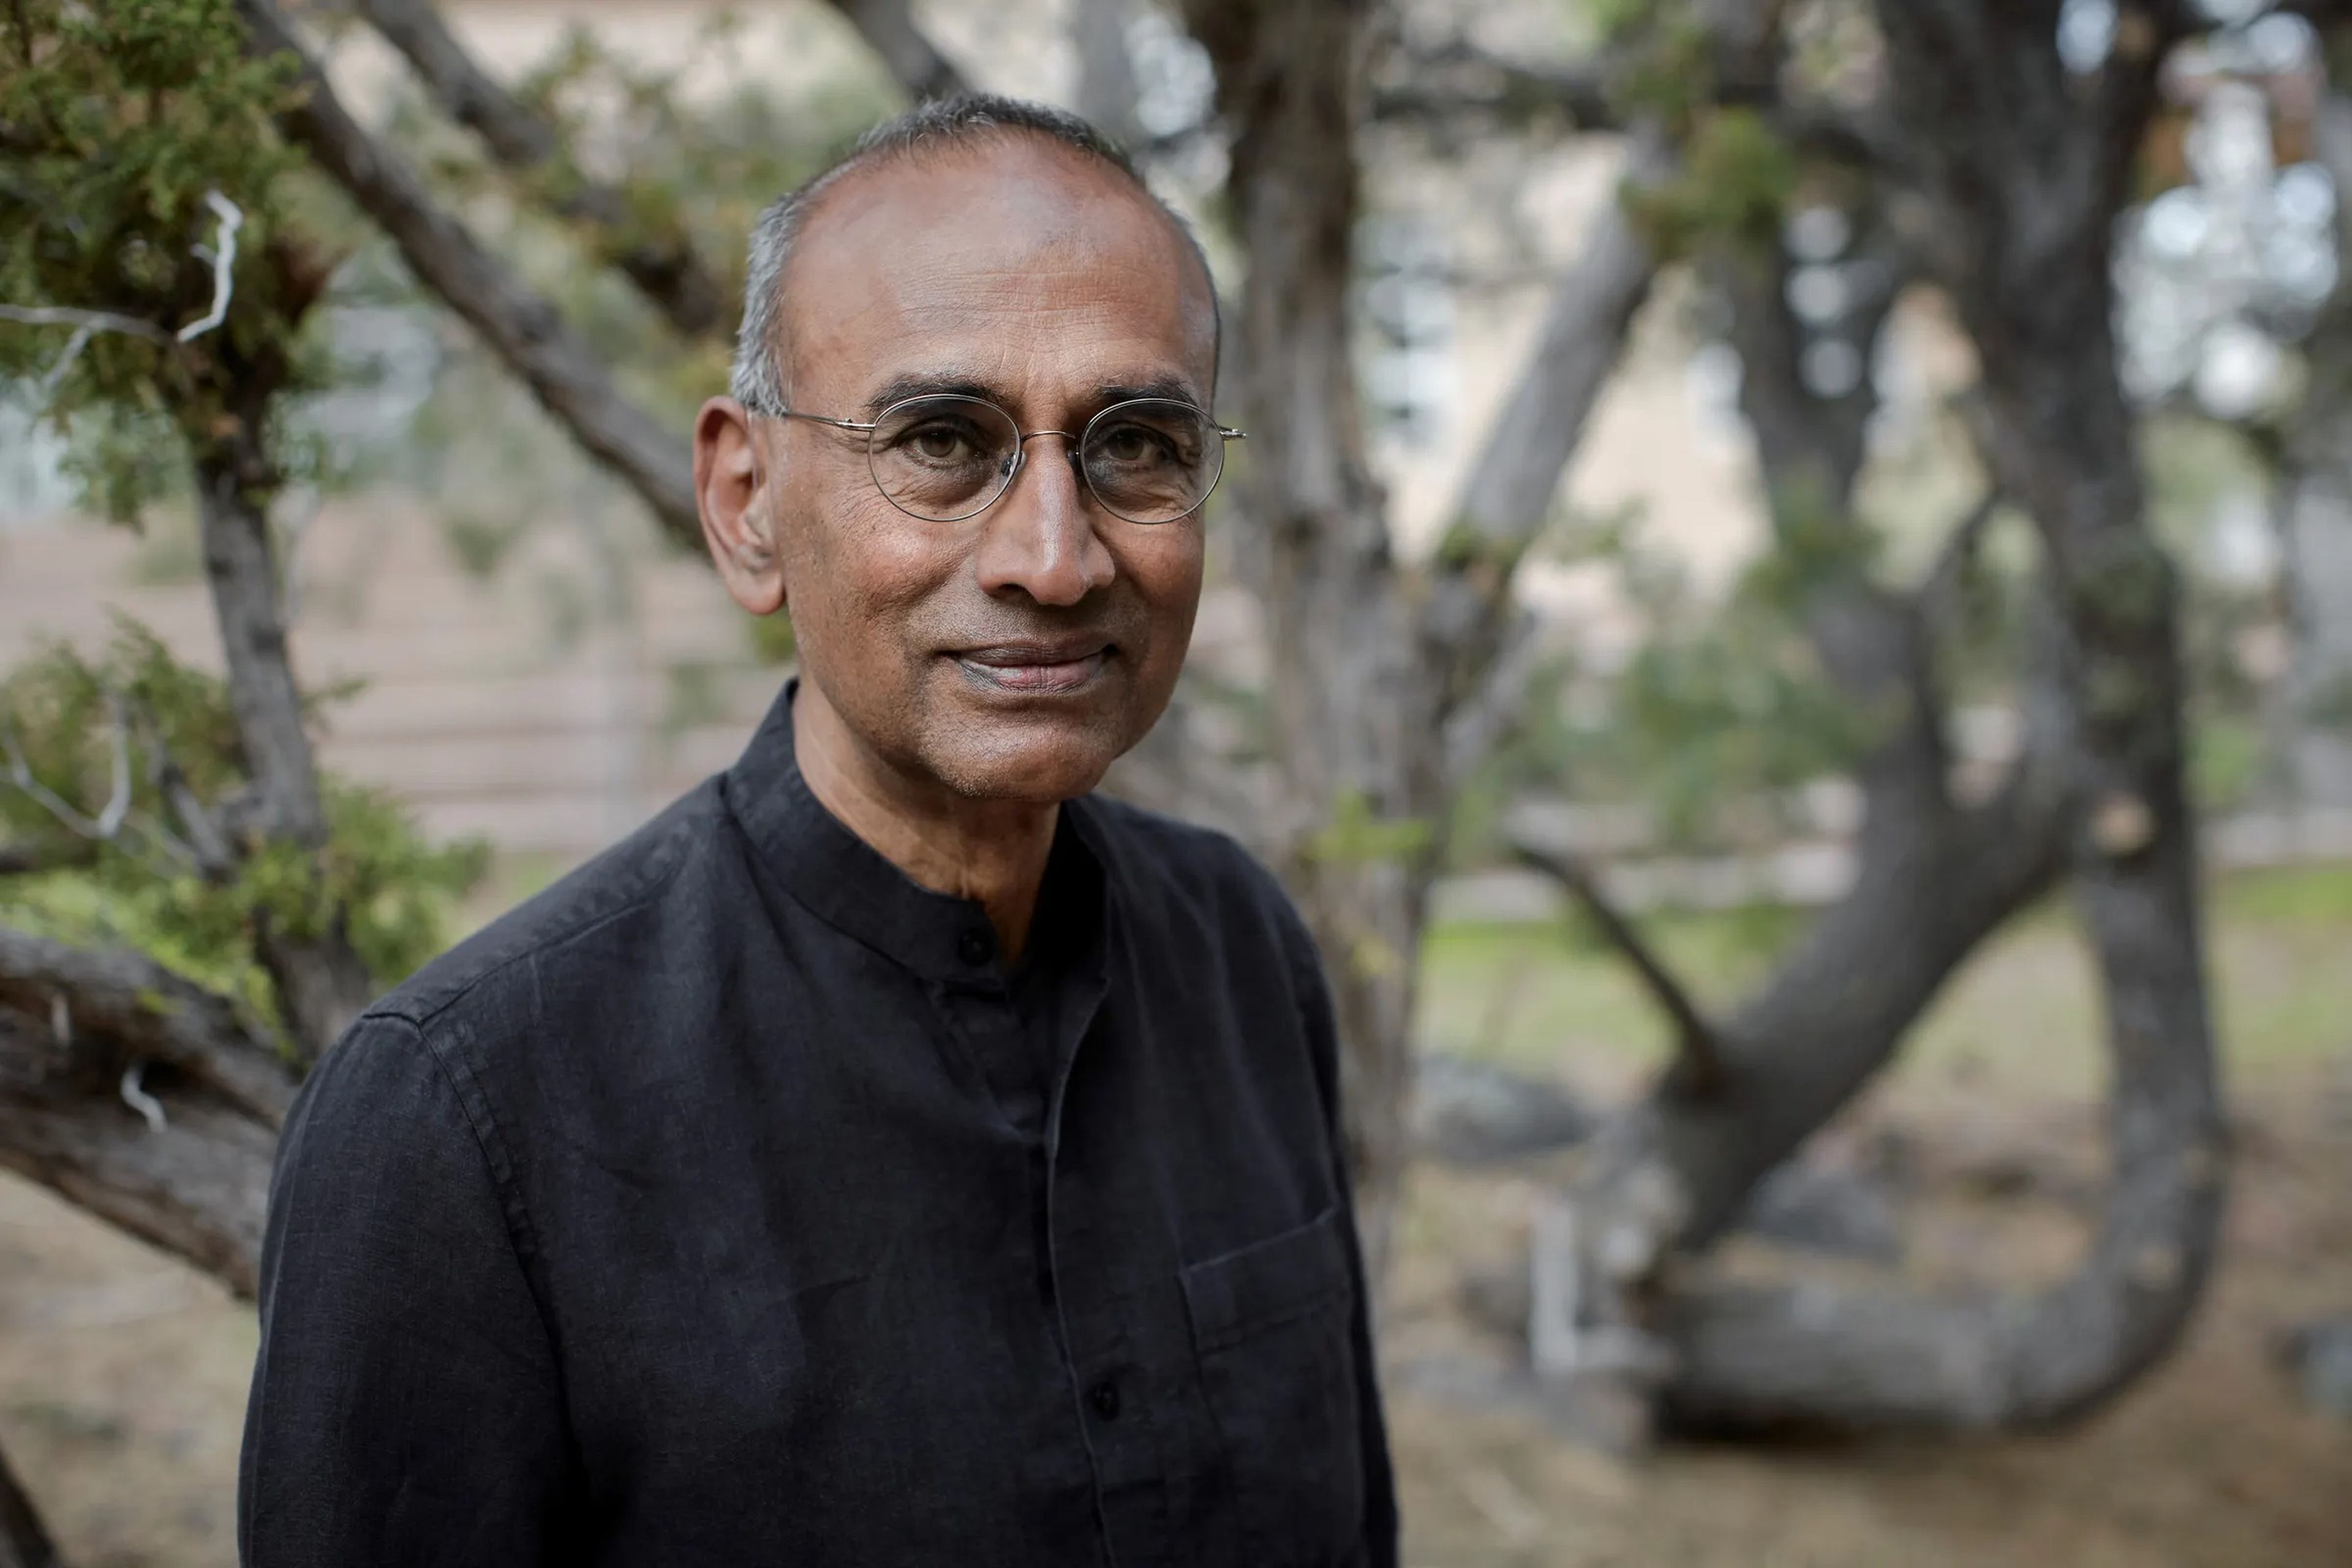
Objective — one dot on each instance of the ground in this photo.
(122, 1376)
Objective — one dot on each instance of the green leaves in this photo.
(154, 884)
(1735, 179)
(125, 121)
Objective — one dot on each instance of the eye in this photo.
(940, 442)
(1130, 444)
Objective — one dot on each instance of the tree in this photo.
(1980, 167)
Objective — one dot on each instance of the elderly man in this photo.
(894, 1154)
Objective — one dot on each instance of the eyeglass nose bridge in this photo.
(1021, 459)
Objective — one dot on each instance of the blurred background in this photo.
(1801, 672)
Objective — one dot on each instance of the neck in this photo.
(991, 851)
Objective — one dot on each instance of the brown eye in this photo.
(1132, 443)
(939, 444)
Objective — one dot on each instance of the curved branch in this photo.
(664, 267)
(72, 1021)
(520, 326)
(112, 1005)
(1697, 1072)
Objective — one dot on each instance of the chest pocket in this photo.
(1271, 1328)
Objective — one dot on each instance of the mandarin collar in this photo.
(853, 887)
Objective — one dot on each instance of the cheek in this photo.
(855, 573)
(1164, 564)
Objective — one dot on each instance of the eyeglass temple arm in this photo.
(814, 418)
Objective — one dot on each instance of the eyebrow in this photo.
(900, 388)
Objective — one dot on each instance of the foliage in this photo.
(123, 121)
(137, 721)
(1715, 712)
(1735, 180)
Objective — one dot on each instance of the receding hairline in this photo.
(973, 128)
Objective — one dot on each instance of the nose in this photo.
(1041, 539)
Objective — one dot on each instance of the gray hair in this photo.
(756, 380)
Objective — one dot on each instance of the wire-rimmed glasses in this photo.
(944, 457)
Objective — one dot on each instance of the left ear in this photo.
(730, 488)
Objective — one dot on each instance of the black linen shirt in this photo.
(730, 1204)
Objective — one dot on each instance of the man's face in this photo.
(1015, 654)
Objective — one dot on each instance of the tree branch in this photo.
(1459, 77)
(664, 267)
(522, 327)
(1932, 599)
(32, 859)
(1106, 86)
(23, 1543)
(1697, 1072)
(1507, 496)
(193, 1178)
(888, 26)
(106, 1008)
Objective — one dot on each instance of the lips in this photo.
(1038, 669)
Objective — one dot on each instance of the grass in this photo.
(2024, 1011)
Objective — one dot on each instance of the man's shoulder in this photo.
(645, 879)
(1185, 868)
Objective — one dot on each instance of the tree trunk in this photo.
(1344, 700)
(2023, 171)
(320, 984)
(2314, 513)
(1370, 661)
(2026, 170)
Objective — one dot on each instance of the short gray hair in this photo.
(756, 380)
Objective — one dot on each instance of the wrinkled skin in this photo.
(960, 680)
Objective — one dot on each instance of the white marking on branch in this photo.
(135, 1096)
(109, 821)
(222, 254)
(87, 321)
(61, 1020)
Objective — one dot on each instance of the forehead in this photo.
(1002, 261)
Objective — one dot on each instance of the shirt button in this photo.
(1104, 1398)
(974, 947)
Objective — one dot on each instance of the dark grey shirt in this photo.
(730, 1203)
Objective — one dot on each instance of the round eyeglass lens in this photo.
(1152, 461)
(942, 458)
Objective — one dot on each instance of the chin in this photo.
(1025, 763)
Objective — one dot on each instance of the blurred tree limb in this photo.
(23, 1543)
(524, 329)
(888, 26)
(661, 262)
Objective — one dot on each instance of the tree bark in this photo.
(2024, 172)
(23, 1543)
(1106, 85)
(664, 267)
(320, 984)
(2314, 514)
(1347, 705)
(1368, 657)
(888, 26)
(84, 1037)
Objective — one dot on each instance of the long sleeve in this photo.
(406, 1408)
(1381, 1546)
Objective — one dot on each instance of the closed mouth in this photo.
(1042, 669)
